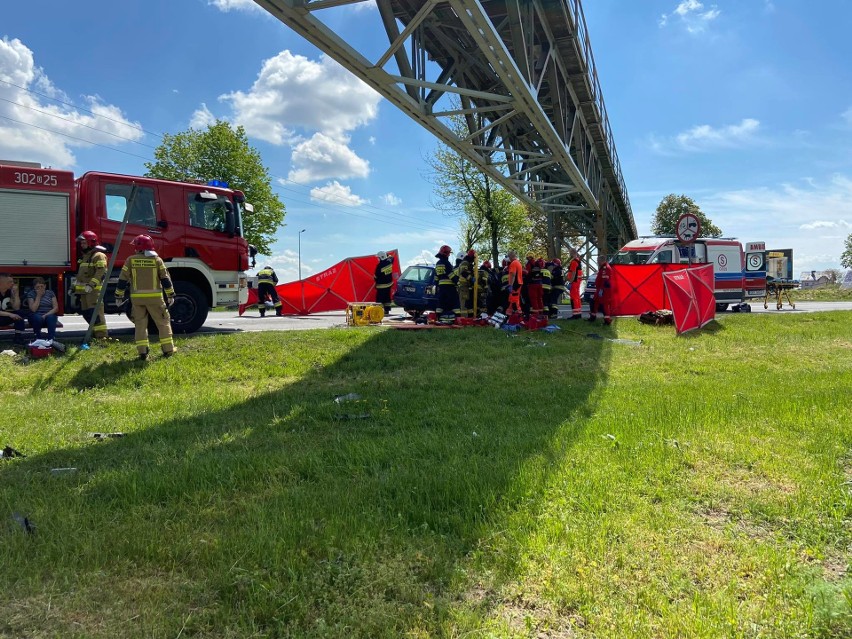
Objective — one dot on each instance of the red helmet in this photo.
(90, 236)
(143, 243)
(471, 253)
(486, 264)
(557, 261)
(539, 262)
(445, 251)
(505, 262)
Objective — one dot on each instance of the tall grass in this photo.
(483, 485)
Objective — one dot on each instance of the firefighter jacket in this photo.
(545, 278)
(147, 276)
(91, 269)
(575, 270)
(383, 275)
(534, 272)
(484, 276)
(267, 276)
(465, 274)
(444, 272)
(557, 278)
(504, 278)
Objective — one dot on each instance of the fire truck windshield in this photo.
(631, 257)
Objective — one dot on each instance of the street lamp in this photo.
(300, 253)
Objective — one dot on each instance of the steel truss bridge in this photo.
(521, 76)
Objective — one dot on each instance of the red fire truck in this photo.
(196, 232)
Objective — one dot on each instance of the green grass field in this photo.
(485, 486)
(827, 293)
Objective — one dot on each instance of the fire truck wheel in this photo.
(189, 311)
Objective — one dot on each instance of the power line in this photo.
(54, 115)
(79, 108)
(73, 137)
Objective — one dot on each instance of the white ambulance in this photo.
(740, 273)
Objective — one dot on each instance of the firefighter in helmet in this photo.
(465, 282)
(383, 277)
(448, 301)
(266, 281)
(533, 280)
(147, 277)
(557, 280)
(91, 271)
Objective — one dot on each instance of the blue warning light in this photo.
(218, 183)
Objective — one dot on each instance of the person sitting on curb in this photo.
(10, 307)
(43, 309)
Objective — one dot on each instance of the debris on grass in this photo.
(24, 522)
(349, 397)
(8, 452)
(63, 471)
(9, 352)
(107, 435)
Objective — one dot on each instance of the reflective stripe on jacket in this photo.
(147, 277)
(91, 269)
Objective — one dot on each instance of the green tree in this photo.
(223, 153)
(846, 256)
(672, 207)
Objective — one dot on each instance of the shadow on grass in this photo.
(287, 514)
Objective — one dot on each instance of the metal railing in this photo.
(584, 50)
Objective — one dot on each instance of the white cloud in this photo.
(324, 157)
(286, 265)
(847, 116)
(235, 5)
(23, 136)
(841, 225)
(810, 216)
(424, 257)
(292, 92)
(336, 193)
(704, 137)
(202, 118)
(372, 138)
(391, 200)
(692, 14)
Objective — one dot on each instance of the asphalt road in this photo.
(231, 322)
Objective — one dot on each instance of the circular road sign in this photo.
(688, 227)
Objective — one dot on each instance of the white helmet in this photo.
(382, 255)
(460, 255)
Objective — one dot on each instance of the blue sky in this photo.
(744, 105)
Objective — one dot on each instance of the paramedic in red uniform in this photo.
(575, 274)
(603, 293)
(515, 280)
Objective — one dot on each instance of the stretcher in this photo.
(780, 288)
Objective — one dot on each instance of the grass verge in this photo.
(483, 486)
